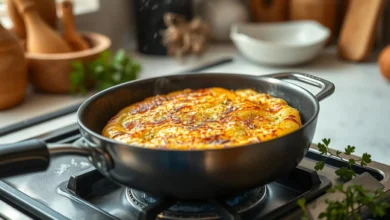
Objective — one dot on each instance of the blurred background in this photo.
(100, 15)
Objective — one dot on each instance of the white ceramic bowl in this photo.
(280, 43)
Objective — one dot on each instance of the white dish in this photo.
(280, 43)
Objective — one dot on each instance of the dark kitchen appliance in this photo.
(72, 188)
(149, 21)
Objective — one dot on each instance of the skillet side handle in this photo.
(31, 156)
(327, 88)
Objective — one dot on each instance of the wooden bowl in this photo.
(50, 73)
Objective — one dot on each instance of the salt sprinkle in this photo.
(62, 169)
(84, 164)
(73, 162)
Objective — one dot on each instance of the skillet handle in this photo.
(327, 88)
(23, 157)
(31, 156)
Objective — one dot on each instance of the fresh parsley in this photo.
(355, 196)
(106, 71)
(345, 173)
(78, 78)
(302, 204)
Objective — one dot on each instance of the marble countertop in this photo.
(356, 114)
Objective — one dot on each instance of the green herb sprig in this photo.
(355, 196)
(302, 204)
(106, 71)
(78, 78)
(347, 172)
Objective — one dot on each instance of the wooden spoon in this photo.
(70, 35)
(45, 8)
(40, 37)
(357, 34)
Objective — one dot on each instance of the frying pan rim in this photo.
(87, 102)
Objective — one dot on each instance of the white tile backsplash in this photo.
(114, 19)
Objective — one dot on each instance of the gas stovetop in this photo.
(72, 188)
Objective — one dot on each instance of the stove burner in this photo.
(197, 209)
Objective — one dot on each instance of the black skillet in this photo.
(193, 174)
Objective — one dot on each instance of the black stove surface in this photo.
(72, 188)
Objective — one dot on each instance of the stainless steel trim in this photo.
(327, 88)
(63, 149)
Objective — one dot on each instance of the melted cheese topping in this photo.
(203, 119)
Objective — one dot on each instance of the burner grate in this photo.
(91, 188)
(213, 209)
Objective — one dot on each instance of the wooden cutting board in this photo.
(358, 30)
(322, 11)
(269, 10)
